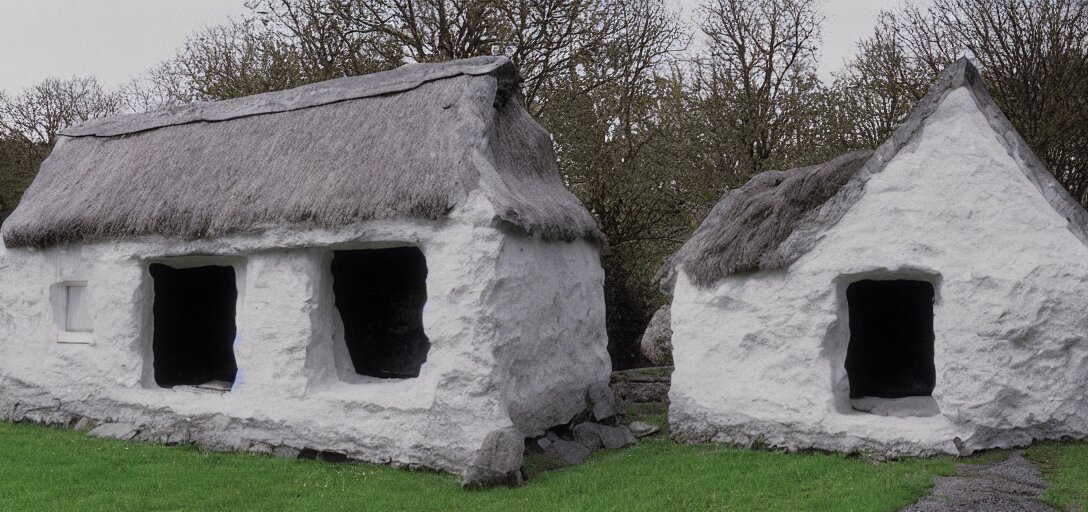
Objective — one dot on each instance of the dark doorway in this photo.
(194, 325)
(891, 339)
(380, 295)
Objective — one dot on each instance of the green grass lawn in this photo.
(1065, 469)
(48, 469)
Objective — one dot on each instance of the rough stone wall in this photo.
(293, 389)
(759, 357)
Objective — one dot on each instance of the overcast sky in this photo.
(845, 22)
(115, 40)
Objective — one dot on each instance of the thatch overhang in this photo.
(778, 216)
(410, 142)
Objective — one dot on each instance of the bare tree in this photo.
(30, 121)
(225, 61)
(1034, 55)
(617, 114)
(19, 161)
(619, 152)
(758, 80)
(425, 30)
(329, 36)
(544, 38)
(39, 112)
(878, 87)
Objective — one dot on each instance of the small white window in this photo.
(77, 318)
(71, 303)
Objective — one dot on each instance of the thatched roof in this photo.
(411, 142)
(779, 216)
(749, 223)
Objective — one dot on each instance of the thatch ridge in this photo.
(401, 79)
(415, 153)
(707, 258)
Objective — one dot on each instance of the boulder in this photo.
(614, 438)
(595, 436)
(84, 424)
(499, 460)
(628, 437)
(657, 339)
(572, 453)
(588, 435)
(178, 436)
(602, 403)
(642, 429)
(122, 431)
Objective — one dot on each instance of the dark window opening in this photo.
(380, 295)
(891, 339)
(194, 325)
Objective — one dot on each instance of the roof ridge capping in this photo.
(414, 142)
(401, 79)
(731, 239)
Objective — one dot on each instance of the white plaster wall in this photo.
(289, 392)
(553, 340)
(759, 357)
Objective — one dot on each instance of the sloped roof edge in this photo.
(961, 73)
(746, 227)
(322, 156)
(1036, 172)
(808, 230)
(404, 78)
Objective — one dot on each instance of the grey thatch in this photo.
(411, 142)
(748, 225)
(778, 216)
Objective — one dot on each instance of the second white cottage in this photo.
(928, 297)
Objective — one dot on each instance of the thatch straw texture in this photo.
(779, 216)
(402, 79)
(412, 142)
(526, 172)
(746, 227)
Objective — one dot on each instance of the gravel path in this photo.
(1013, 484)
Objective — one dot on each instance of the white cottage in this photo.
(928, 297)
(388, 267)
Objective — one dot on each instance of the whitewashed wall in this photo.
(497, 302)
(759, 357)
